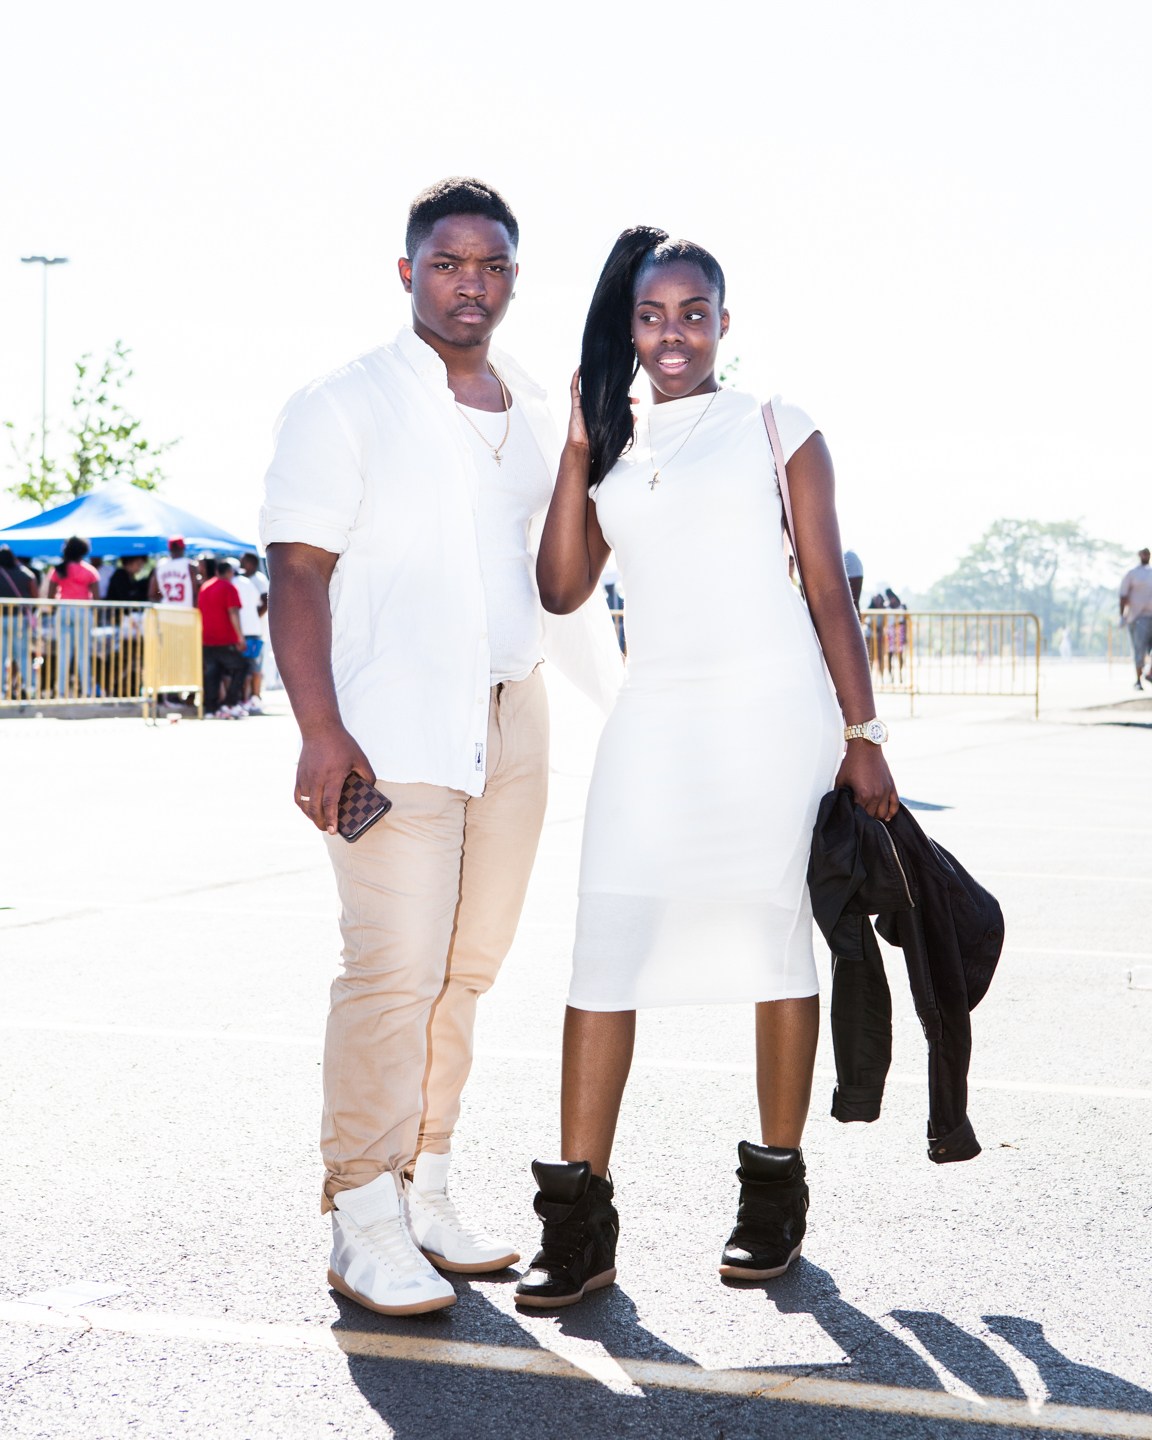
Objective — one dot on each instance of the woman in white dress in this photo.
(726, 734)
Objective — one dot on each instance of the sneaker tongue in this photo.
(430, 1173)
(767, 1162)
(367, 1204)
(563, 1183)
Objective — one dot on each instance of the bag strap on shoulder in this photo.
(781, 479)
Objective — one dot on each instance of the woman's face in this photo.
(677, 324)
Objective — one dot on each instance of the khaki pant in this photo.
(430, 899)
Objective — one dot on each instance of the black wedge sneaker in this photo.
(578, 1247)
(771, 1220)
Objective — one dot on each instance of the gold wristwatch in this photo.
(874, 730)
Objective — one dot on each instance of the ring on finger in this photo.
(305, 798)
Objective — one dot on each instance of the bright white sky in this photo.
(936, 221)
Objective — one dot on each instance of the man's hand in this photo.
(326, 761)
(301, 623)
(865, 772)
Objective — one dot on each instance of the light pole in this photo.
(44, 260)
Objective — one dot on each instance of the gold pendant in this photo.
(655, 480)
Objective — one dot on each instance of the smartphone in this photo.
(361, 805)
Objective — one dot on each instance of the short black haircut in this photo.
(458, 195)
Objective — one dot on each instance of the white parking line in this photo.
(763, 1385)
(551, 1057)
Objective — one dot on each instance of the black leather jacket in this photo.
(951, 931)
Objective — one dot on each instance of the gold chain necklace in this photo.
(652, 452)
(495, 449)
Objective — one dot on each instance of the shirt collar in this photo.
(427, 364)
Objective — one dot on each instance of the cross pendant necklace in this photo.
(504, 395)
(655, 480)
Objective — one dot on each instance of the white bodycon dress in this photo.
(725, 735)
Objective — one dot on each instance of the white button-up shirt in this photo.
(371, 464)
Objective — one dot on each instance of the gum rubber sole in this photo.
(735, 1272)
(557, 1302)
(486, 1267)
(422, 1307)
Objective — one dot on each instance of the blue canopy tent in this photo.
(119, 519)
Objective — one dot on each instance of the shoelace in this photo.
(390, 1241)
(440, 1204)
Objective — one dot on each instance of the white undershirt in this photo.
(511, 493)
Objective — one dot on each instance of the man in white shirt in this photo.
(252, 584)
(1136, 611)
(408, 633)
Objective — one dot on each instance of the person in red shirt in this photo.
(224, 644)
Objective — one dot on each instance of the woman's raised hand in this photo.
(577, 435)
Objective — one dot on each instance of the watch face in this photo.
(876, 731)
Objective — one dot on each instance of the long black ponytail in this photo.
(608, 362)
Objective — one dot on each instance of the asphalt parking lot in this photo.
(166, 943)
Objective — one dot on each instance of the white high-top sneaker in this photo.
(374, 1260)
(440, 1232)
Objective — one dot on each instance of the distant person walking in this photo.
(75, 580)
(175, 581)
(1136, 612)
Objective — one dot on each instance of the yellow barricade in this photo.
(90, 653)
(949, 652)
(173, 656)
(954, 652)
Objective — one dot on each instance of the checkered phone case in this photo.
(361, 805)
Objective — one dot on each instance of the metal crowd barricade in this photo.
(91, 653)
(954, 652)
(173, 656)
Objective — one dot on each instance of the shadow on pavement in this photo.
(1069, 1383)
(418, 1400)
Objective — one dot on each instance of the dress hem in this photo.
(691, 1000)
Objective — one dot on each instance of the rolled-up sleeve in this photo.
(315, 484)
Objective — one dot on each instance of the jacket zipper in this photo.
(896, 859)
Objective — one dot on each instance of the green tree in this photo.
(104, 439)
(1054, 569)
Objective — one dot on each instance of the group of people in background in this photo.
(887, 635)
(231, 595)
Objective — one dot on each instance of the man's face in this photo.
(1144, 557)
(460, 280)
(248, 565)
